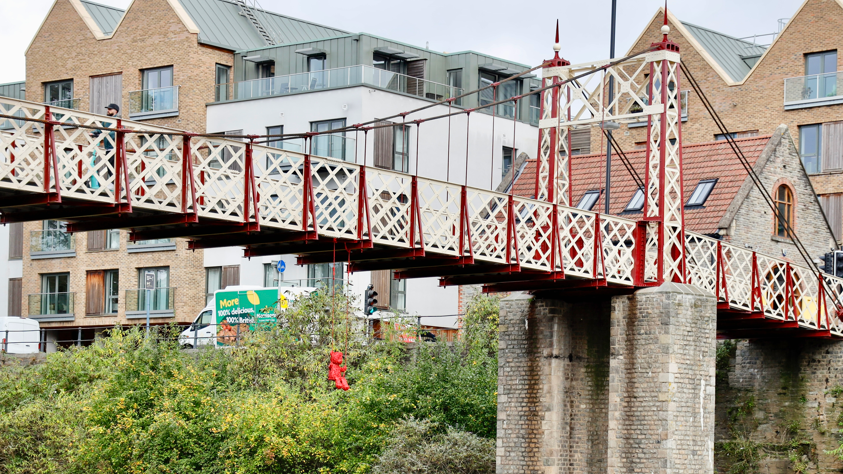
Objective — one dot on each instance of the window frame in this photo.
(218, 97)
(818, 143)
(209, 294)
(403, 156)
(790, 212)
(456, 75)
(111, 300)
(160, 294)
(512, 154)
(331, 124)
(593, 195)
(57, 102)
(397, 294)
(704, 198)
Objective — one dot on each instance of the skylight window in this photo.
(701, 192)
(637, 201)
(588, 200)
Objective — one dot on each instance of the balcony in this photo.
(161, 303)
(154, 245)
(51, 244)
(154, 103)
(65, 103)
(337, 78)
(51, 306)
(812, 91)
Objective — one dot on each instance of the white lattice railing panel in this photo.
(279, 176)
(85, 156)
(219, 177)
(534, 231)
(336, 191)
(701, 257)
(834, 299)
(737, 267)
(389, 204)
(155, 170)
(773, 278)
(576, 232)
(652, 260)
(439, 203)
(805, 299)
(22, 147)
(618, 249)
(488, 212)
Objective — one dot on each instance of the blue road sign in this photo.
(281, 266)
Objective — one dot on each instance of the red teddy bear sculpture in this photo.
(335, 372)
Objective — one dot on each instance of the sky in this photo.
(506, 29)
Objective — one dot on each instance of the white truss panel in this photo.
(86, 157)
(534, 230)
(773, 278)
(219, 177)
(701, 255)
(738, 269)
(389, 203)
(805, 299)
(155, 170)
(576, 232)
(279, 176)
(336, 191)
(22, 147)
(439, 203)
(618, 249)
(488, 212)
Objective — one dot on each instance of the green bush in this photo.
(127, 404)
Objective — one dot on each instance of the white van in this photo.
(206, 327)
(19, 335)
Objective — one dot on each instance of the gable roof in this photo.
(107, 18)
(728, 51)
(714, 160)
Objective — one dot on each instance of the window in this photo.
(637, 201)
(222, 79)
(55, 294)
(389, 64)
(397, 294)
(508, 158)
(735, 135)
(99, 240)
(454, 81)
(205, 319)
(783, 198)
(535, 106)
(160, 295)
(321, 275)
(112, 291)
(505, 91)
(701, 192)
(59, 94)
(16, 240)
(112, 239)
(275, 142)
(331, 145)
(810, 147)
(401, 149)
(213, 282)
(266, 69)
(54, 237)
(821, 77)
(588, 200)
(158, 93)
(316, 66)
(271, 275)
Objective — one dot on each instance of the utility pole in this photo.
(611, 98)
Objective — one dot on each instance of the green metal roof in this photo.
(221, 24)
(734, 55)
(106, 17)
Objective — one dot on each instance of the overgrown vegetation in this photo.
(128, 405)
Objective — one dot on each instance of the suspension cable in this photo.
(624, 159)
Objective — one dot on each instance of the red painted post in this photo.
(246, 182)
(789, 300)
(363, 206)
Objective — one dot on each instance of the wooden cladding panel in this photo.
(230, 276)
(832, 146)
(381, 282)
(384, 137)
(95, 292)
(15, 296)
(106, 90)
(16, 240)
(96, 240)
(832, 205)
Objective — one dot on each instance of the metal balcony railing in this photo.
(335, 78)
(817, 89)
(51, 241)
(51, 304)
(160, 300)
(153, 101)
(65, 103)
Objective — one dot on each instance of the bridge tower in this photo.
(648, 88)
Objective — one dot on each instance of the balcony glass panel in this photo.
(149, 101)
(160, 299)
(51, 241)
(50, 304)
(814, 88)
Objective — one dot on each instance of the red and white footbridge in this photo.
(99, 172)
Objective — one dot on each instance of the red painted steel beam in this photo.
(550, 285)
(63, 213)
(464, 268)
(756, 323)
(130, 221)
(29, 200)
(297, 248)
(436, 263)
(264, 237)
(766, 333)
(357, 252)
(499, 278)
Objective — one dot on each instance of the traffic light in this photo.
(371, 301)
(827, 263)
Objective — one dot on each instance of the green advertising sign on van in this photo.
(238, 311)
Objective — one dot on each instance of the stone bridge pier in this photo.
(614, 384)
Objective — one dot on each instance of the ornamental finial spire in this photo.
(665, 27)
(556, 46)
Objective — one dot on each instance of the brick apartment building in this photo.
(161, 61)
(756, 88)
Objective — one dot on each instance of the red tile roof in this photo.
(714, 160)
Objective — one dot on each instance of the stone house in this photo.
(756, 87)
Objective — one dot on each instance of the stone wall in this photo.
(779, 405)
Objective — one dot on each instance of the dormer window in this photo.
(588, 200)
(701, 193)
(637, 201)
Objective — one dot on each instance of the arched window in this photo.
(783, 198)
